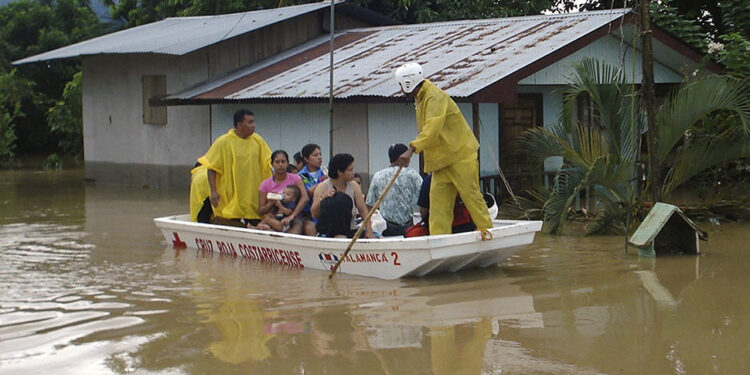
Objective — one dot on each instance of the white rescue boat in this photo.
(384, 258)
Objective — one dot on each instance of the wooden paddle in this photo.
(365, 221)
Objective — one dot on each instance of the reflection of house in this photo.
(503, 71)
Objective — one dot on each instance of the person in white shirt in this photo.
(398, 205)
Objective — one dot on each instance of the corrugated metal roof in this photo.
(461, 57)
(179, 35)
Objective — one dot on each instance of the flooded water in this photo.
(89, 286)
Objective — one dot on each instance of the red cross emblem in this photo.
(177, 241)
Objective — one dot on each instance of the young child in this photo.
(284, 207)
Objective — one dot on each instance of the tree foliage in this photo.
(65, 118)
(598, 156)
(138, 12)
(601, 158)
(28, 28)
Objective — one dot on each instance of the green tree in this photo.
(601, 157)
(691, 107)
(13, 90)
(598, 156)
(138, 12)
(65, 118)
(28, 28)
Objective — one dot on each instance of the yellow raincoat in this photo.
(199, 190)
(240, 165)
(442, 132)
(450, 152)
(459, 349)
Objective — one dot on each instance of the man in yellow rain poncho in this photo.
(237, 163)
(449, 151)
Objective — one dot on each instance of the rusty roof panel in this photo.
(461, 57)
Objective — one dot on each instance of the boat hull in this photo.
(385, 258)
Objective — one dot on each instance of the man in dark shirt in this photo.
(424, 208)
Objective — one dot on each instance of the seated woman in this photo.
(335, 199)
(312, 174)
(276, 184)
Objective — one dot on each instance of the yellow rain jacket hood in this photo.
(442, 132)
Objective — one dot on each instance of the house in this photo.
(148, 115)
(129, 141)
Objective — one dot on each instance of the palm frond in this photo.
(567, 185)
(599, 155)
(610, 218)
(531, 203)
(705, 153)
(694, 101)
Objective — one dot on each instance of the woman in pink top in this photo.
(276, 184)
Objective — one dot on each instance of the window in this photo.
(154, 87)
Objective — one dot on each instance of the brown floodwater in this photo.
(89, 286)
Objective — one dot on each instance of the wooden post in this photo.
(330, 79)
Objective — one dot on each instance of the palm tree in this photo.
(684, 156)
(601, 156)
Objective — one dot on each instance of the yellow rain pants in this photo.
(461, 177)
(240, 165)
(459, 349)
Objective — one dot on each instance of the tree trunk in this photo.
(647, 87)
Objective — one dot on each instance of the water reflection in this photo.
(291, 321)
(89, 287)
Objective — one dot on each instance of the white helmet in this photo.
(409, 76)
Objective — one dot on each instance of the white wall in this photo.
(113, 111)
(610, 50)
(489, 137)
(350, 134)
(390, 123)
(284, 126)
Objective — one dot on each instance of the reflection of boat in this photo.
(386, 258)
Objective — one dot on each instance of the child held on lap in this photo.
(285, 206)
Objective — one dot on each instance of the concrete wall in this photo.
(283, 126)
(389, 123)
(114, 132)
(351, 135)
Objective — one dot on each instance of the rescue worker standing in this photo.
(449, 151)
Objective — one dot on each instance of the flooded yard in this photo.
(89, 285)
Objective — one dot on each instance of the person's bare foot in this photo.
(263, 226)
